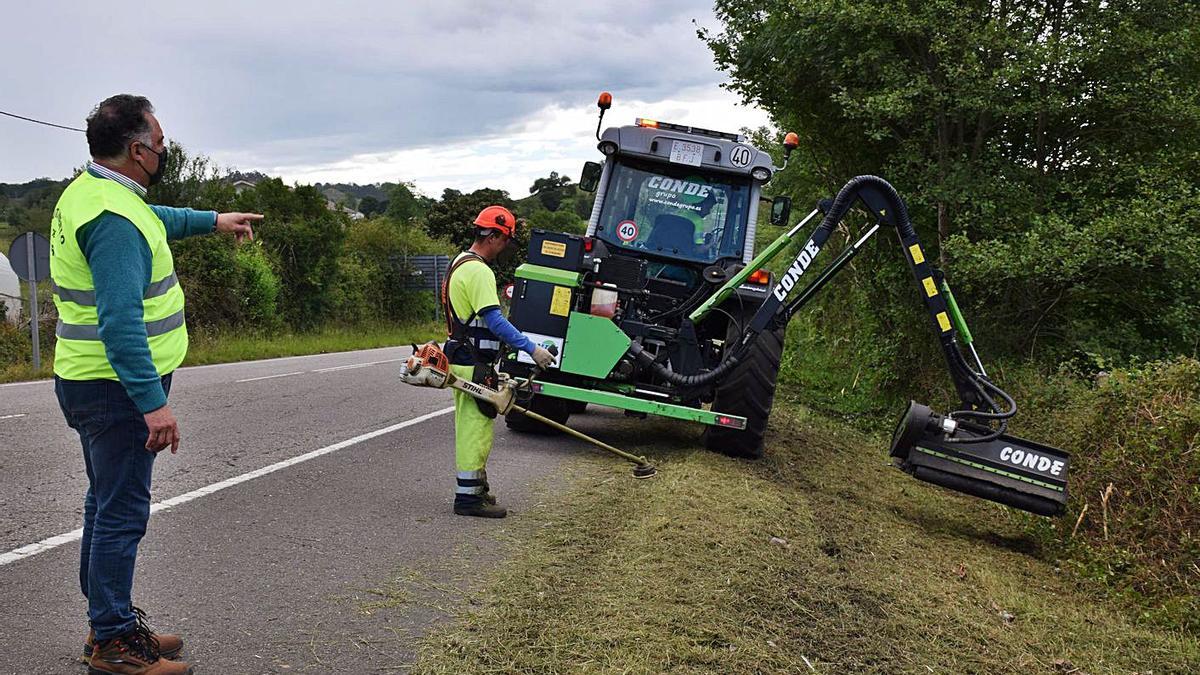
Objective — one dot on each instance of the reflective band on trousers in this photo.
(469, 490)
(71, 331)
(88, 298)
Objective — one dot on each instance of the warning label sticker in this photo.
(554, 248)
(560, 303)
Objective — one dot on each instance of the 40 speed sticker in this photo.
(740, 156)
(627, 230)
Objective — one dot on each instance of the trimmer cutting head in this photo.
(644, 471)
(1007, 469)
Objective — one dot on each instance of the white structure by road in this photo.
(10, 290)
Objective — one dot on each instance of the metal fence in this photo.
(424, 273)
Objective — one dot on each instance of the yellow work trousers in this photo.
(473, 433)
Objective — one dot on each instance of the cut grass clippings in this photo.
(818, 559)
(228, 347)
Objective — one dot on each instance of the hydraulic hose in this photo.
(838, 209)
(646, 359)
(850, 191)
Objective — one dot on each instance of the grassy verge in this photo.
(229, 347)
(820, 559)
(206, 348)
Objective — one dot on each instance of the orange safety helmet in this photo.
(497, 218)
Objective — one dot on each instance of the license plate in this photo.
(683, 152)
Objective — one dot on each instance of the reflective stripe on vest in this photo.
(88, 298)
(75, 331)
(79, 352)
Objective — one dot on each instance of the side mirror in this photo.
(781, 210)
(590, 179)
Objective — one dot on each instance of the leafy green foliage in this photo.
(453, 217)
(995, 121)
(227, 285)
(303, 239)
(1136, 430)
(550, 190)
(404, 204)
(1048, 155)
(191, 180)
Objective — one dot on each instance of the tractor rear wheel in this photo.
(749, 391)
(556, 409)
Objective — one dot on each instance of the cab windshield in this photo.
(674, 211)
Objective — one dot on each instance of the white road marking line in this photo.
(356, 365)
(286, 358)
(231, 363)
(22, 384)
(75, 535)
(270, 377)
(9, 417)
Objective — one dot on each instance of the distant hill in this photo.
(20, 191)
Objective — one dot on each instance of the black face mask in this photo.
(506, 254)
(154, 178)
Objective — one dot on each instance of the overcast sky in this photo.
(444, 94)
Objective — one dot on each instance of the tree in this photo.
(550, 190)
(370, 206)
(193, 181)
(1012, 129)
(304, 240)
(452, 219)
(404, 204)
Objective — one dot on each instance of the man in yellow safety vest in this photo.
(121, 333)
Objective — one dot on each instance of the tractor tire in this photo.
(556, 409)
(749, 391)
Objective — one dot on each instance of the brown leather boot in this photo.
(169, 645)
(135, 653)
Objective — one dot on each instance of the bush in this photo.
(226, 285)
(1137, 431)
(14, 344)
(303, 240)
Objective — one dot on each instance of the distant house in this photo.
(240, 186)
(351, 213)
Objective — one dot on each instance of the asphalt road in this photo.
(271, 573)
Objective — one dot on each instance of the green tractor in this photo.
(673, 220)
(663, 308)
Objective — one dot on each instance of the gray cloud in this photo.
(280, 82)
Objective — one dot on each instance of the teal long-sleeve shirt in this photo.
(120, 260)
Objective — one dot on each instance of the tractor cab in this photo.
(684, 199)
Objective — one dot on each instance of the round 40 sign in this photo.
(627, 230)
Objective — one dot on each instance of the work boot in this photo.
(134, 653)
(169, 645)
(480, 509)
(489, 498)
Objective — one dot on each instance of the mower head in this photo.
(1009, 470)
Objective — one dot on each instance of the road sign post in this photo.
(30, 259)
(33, 305)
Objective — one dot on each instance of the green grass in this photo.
(870, 572)
(227, 347)
(206, 348)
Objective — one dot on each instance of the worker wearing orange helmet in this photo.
(476, 329)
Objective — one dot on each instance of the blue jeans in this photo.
(117, 506)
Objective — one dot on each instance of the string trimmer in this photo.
(430, 367)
